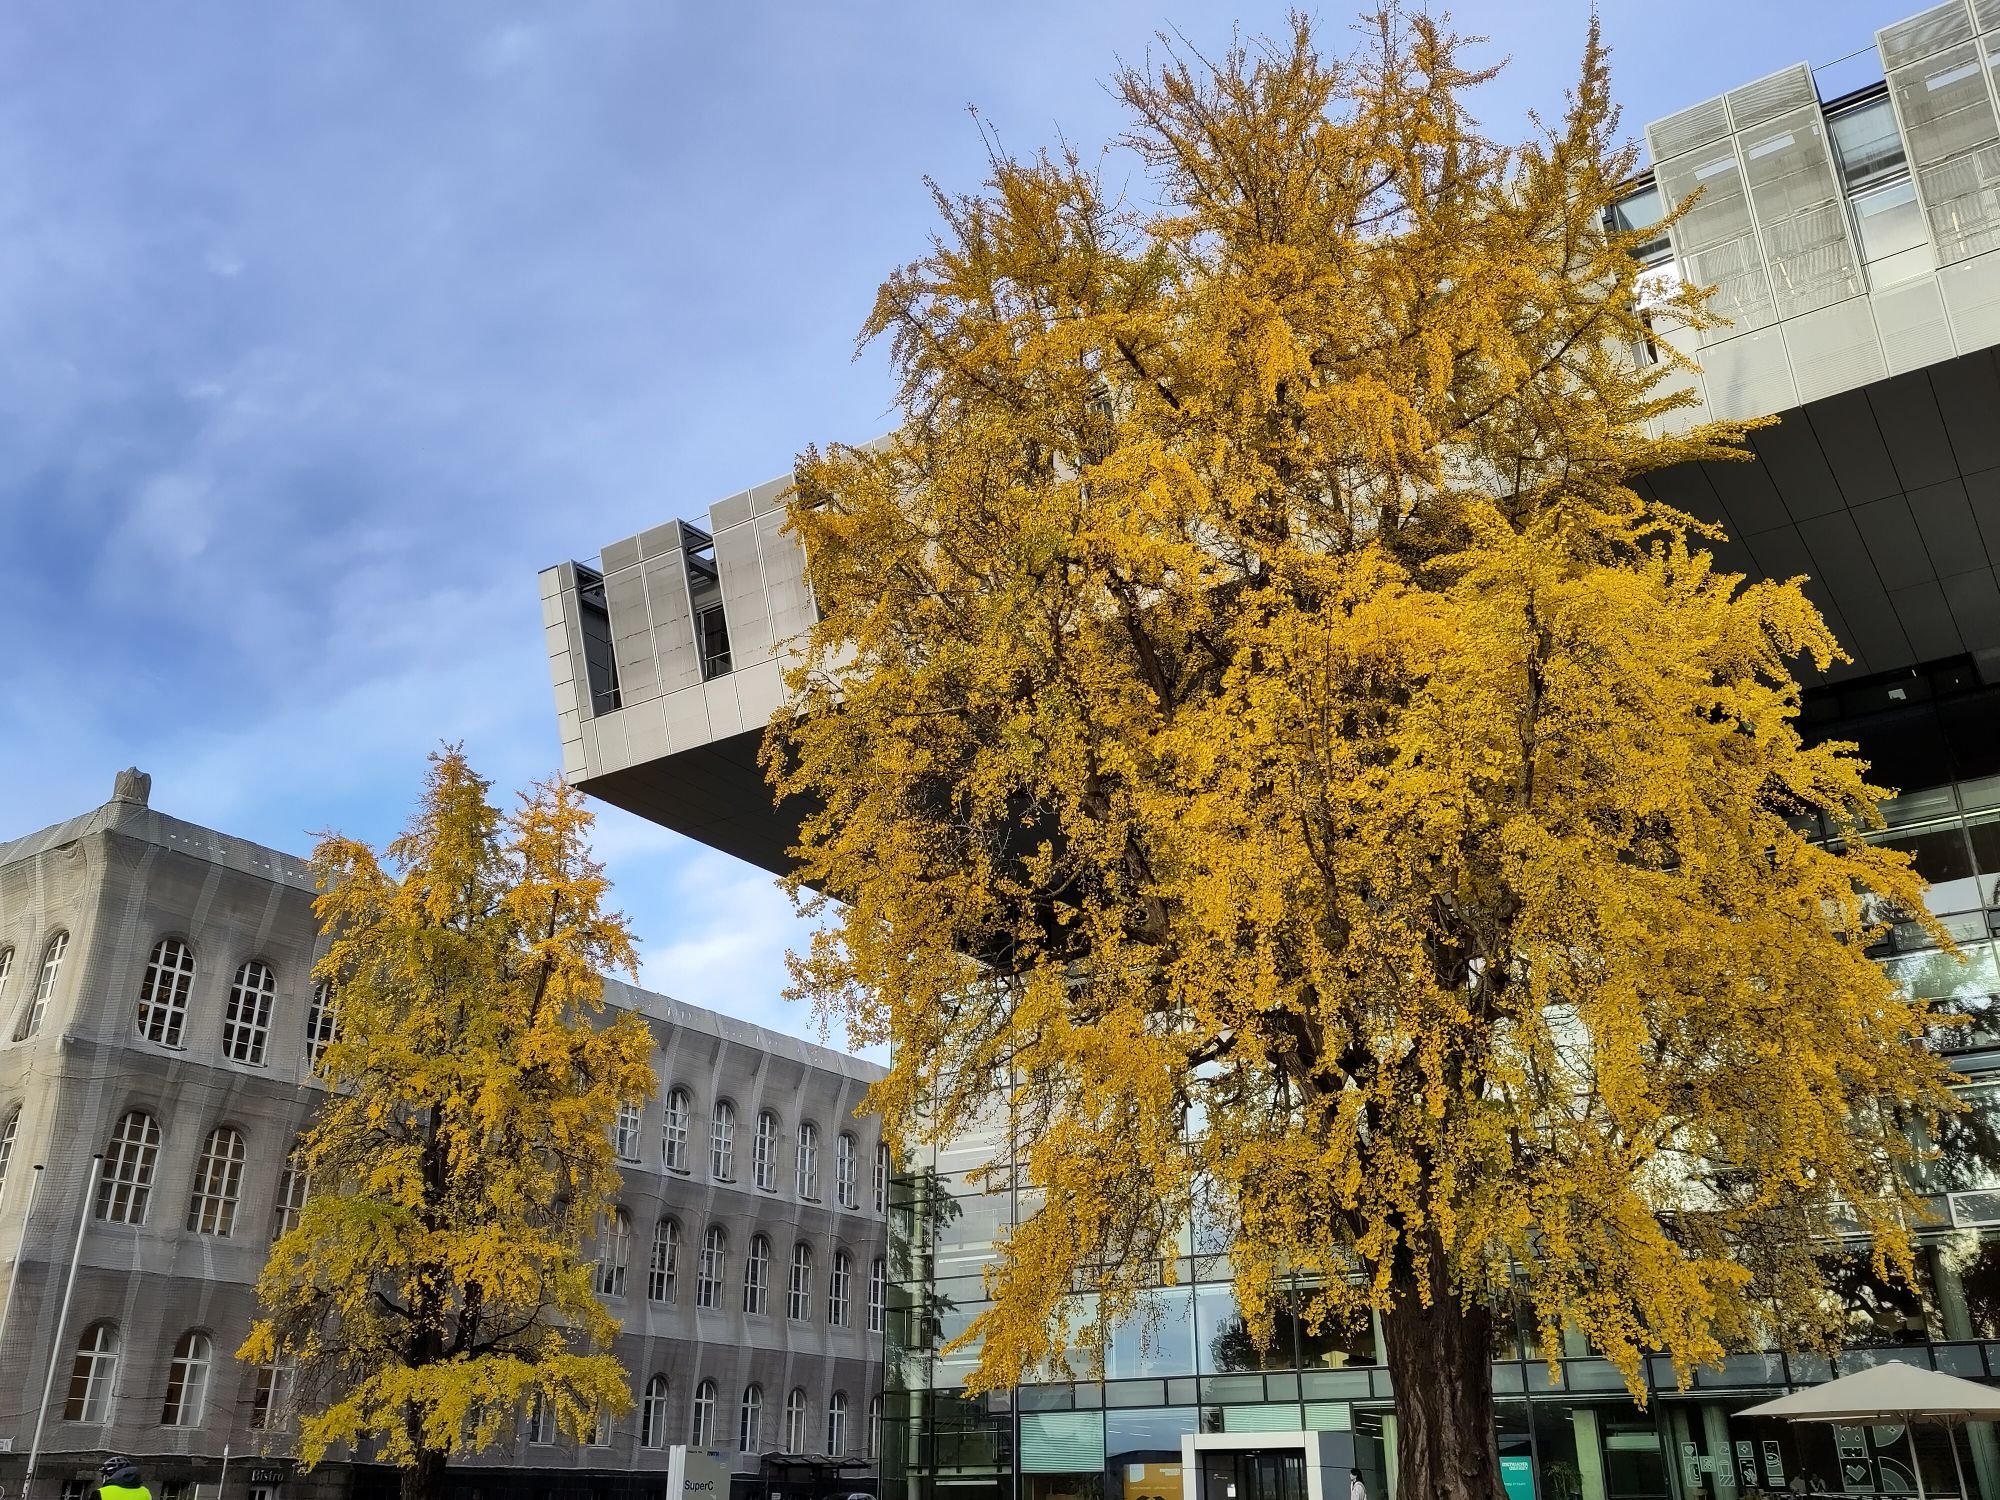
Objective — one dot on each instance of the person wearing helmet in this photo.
(118, 1478)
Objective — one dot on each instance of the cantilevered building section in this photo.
(1855, 246)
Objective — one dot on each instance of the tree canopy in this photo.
(435, 1282)
(1257, 733)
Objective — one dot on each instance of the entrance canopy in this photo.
(1887, 1392)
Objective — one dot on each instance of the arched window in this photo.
(322, 1023)
(795, 1420)
(653, 1414)
(764, 1152)
(722, 1141)
(874, 1428)
(836, 1424)
(808, 1163)
(750, 1427)
(878, 1293)
(246, 1023)
(293, 1185)
(701, 1432)
(674, 1132)
(126, 1187)
(847, 1171)
(839, 1288)
(625, 1136)
(541, 1421)
(218, 1178)
(882, 1177)
(757, 1275)
(45, 987)
(9, 1128)
(6, 971)
(798, 1304)
(163, 993)
(614, 1251)
(187, 1381)
(663, 1272)
(714, 1260)
(92, 1374)
(273, 1390)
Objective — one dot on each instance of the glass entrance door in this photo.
(1253, 1474)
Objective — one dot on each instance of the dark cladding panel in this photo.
(1912, 427)
(1791, 454)
(1927, 621)
(1845, 427)
(1893, 543)
(1943, 518)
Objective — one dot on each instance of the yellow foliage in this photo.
(1367, 812)
(435, 1282)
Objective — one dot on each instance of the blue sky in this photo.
(322, 328)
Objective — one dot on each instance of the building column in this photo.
(1589, 1453)
(1979, 1439)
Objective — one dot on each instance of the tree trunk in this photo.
(424, 1479)
(1440, 1358)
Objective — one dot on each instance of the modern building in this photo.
(156, 1006)
(1855, 243)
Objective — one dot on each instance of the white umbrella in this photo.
(1893, 1391)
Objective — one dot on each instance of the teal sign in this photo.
(1518, 1475)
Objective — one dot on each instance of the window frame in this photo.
(653, 1413)
(764, 1152)
(674, 1131)
(257, 1027)
(47, 974)
(839, 1289)
(663, 1263)
(189, 1369)
(713, 1270)
(125, 1181)
(750, 1419)
(722, 1141)
(164, 988)
(93, 1374)
(847, 1170)
(614, 1253)
(805, 1164)
(701, 1424)
(217, 1190)
(799, 1283)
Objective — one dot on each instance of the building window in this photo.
(874, 1428)
(882, 1177)
(836, 1424)
(722, 1141)
(711, 629)
(674, 1132)
(322, 1023)
(878, 1293)
(764, 1152)
(267, 1398)
(9, 1128)
(541, 1421)
(701, 1431)
(653, 1414)
(839, 1288)
(714, 1260)
(218, 1178)
(246, 1024)
(613, 1252)
(163, 993)
(6, 971)
(750, 1427)
(847, 1171)
(664, 1270)
(757, 1275)
(798, 1304)
(795, 1420)
(626, 1136)
(91, 1376)
(598, 1435)
(45, 987)
(187, 1382)
(808, 1162)
(293, 1185)
(126, 1187)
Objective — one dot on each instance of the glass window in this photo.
(246, 1023)
(1894, 241)
(1867, 144)
(722, 1141)
(663, 1271)
(874, 1428)
(92, 1374)
(541, 1421)
(750, 1426)
(795, 1421)
(45, 987)
(653, 1414)
(126, 1186)
(10, 1127)
(714, 1260)
(757, 1275)
(839, 1289)
(882, 1177)
(1943, 856)
(1223, 1344)
(293, 1185)
(218, 1179)
(808, 1162)
(1143, 1449)
(1156, 1340)
(614, 1252)
(836, 1424)
(764, 1152)
(625, 1134)
(267, 1399)
(1636, 214)
(847, 1172)
(6, 971)
(878, 1293)
(187, 1381)
(701, 1432)
(798, 1303)
(674, 1132)
(163, 992)
(322, 1023)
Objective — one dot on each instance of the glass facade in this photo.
(1186, 1365)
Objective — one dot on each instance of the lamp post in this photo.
(62, 1319)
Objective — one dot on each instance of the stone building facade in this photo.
(156, 1008)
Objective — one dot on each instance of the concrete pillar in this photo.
(1715, 1432)
(1979, 1438)
(1589, 1453)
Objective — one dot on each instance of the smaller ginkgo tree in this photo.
(436, 1284)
